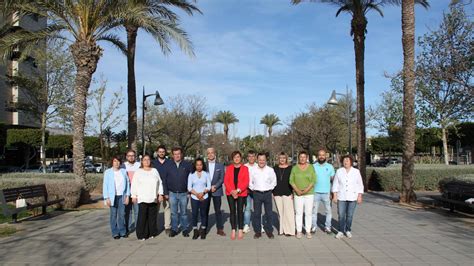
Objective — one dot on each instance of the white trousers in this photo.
(304, 204)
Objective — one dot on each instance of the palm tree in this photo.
(84, 23)
(358, 9)
(226, 118)
(163, 29)
(270, 120)
(409, 120)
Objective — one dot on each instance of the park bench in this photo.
(454, 195)
(10, 195)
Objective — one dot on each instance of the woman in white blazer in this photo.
(348, 189)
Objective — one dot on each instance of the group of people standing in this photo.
(135, 191)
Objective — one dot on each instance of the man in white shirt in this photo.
(262, 182)
(131, 210)
(251, 164)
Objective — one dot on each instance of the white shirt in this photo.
(251, 167)
(212, 166)
(262, 179)
(348, 185)
(131, 168)
(119, 185)
(146, 185)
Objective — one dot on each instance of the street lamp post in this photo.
(158, 101)
(333, 101)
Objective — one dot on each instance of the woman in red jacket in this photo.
(236, 181)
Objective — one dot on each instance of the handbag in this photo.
(20, 202)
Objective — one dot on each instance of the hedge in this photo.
(427, 177)
(463, 180)
(60, 185)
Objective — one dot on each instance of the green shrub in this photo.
(95, 180)
(463, 180)
(68, 189)
(427, 177)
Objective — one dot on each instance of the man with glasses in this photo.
(131, 210)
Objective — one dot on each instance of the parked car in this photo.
(90, 168)
(381, 163)
(65, 168)
(99, 167)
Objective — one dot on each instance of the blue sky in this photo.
(267, 56)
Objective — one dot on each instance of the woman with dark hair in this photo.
(115, 190)
(348, 189)
(147, 191)
(199, 185)
(236, 181)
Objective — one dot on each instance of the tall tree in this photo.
(226, 118)
(85, 22)
(270, 120)
(104, 113)
(358, 9)
(46, 90)
(445, 71)
(163, 29)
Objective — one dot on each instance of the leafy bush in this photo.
(69, 189)
(463, 180)
(95, 180)
(427, 177)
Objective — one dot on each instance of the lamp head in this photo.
(333, 99)
(158, 100)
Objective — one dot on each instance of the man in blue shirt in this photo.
(175, 188)
(325, 173)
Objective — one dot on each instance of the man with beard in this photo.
(325, 173)
(160, 165)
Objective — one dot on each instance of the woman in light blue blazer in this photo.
(116, 191)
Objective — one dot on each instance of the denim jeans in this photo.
(131, 216)
(345, 210)
(248, 209)
(117, 217)
(325, 199)
(264, 198)
(217, 201)
(179, 215)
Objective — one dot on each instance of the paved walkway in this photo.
(384, 234)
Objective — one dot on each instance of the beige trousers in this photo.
(286, 214)
(167, 213)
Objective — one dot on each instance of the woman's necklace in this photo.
(281, 173)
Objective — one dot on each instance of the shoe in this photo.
(195, 234)
(339, 235)
(151, 237)
(116, 237)
(240, 235)
(167, 231)
(232, 235)
(327, 230)
(270, 235)
(221, 232)
(203, 233)
(173, 233)
(257, 235)
(125, 236)
(313, 230)
(143, 239)
(263, 230)
(299, 235)
(185, 233)
(349, 234)
(246, 229)
(309, 236)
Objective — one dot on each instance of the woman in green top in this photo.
(302, 180)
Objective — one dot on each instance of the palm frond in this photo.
(115, 41)
(370, 6)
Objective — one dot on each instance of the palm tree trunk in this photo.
(226, 132)
(445, 144)
(131, 87)
(359, 25)
(408, 124)
(86, 56)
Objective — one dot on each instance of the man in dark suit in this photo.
(216, 170)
